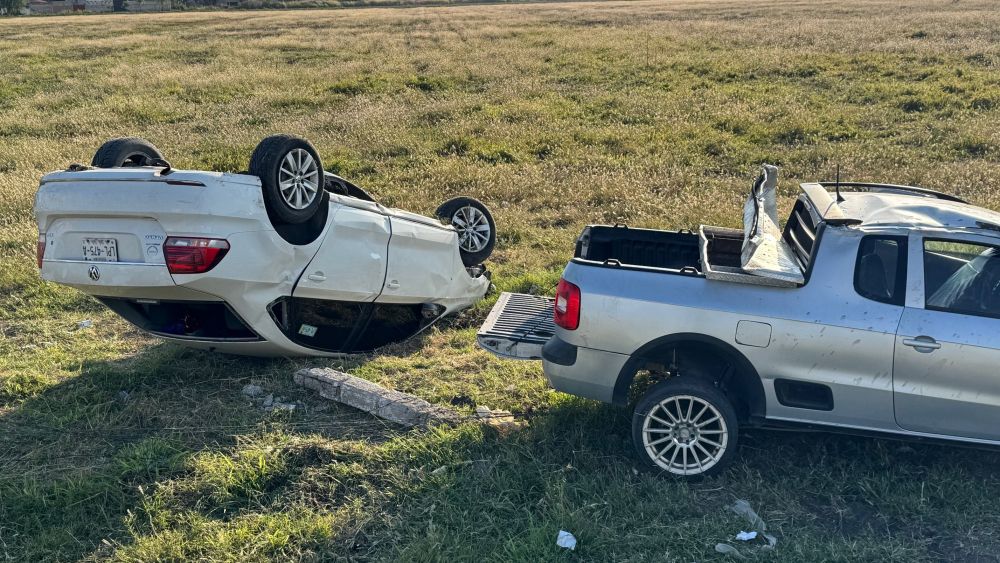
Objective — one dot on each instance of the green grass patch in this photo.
(117, 446)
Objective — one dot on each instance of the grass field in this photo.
(113, 445)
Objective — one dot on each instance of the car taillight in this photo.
(40, 253)
(567, 306)
(189, 255)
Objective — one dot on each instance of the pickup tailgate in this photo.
(518, 326)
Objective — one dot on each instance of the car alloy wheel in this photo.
(685, 435)
(473, 228)
(298, 179)
(474, 225)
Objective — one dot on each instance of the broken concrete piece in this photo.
(498, 418)
(251, 390)
(400, 408)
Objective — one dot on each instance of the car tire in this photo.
(126, 152)
(477, 232)
(291, 177)
(685, 427)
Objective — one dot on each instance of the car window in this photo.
(880, 273)
(962, 277)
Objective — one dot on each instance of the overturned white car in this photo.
(284, 260)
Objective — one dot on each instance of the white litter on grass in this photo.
(758, 527)
(743, 508)
(84, 324)
(566, 539)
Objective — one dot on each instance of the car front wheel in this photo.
(686, 427)
(477, 232)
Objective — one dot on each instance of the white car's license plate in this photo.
(100, 250)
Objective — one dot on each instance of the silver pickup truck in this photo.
(893, 327)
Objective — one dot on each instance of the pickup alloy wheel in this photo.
(686, 428)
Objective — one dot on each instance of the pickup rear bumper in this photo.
(593, 375)
(558, 351)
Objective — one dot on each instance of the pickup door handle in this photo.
(317, 277)
(925, 342)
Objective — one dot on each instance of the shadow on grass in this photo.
(160, 451)
(77, 457)
(826, 497)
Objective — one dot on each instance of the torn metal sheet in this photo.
(764, 252)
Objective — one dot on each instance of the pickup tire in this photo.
(686, 427)
(126, 152)
(477, 232)
(291, 177)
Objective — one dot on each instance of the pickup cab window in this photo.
(962, 277)
(880, 273)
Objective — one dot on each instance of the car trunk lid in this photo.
(102, 229)
(131, 240)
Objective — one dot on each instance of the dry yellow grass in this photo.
(653, 113)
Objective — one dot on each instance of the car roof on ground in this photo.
(915, 211)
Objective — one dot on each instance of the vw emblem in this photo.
(95, 274)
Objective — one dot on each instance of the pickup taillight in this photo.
(40, 249)
(191, 255)
(567, 306)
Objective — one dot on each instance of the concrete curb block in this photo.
(400, 408)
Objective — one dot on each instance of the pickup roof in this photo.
(894, 326)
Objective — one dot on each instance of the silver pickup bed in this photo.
(518, 326)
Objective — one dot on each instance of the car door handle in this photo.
(393, 284)
(925, 342)
(317, 277)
